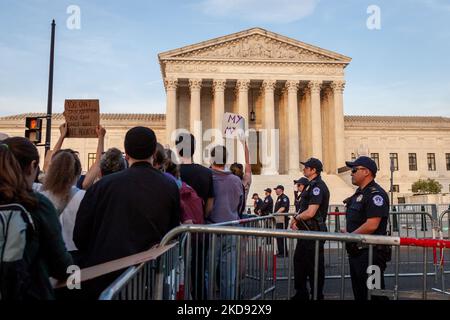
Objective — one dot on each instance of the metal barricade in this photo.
(233, 285)
(443, 255)
(444, 224)
(250, 221)
(408, 262)
(414, 221)
(232, 267)
(138, 282)
(227, 275)
(202, 264)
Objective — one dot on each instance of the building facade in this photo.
(283, 85)
(421, 146)
(291, 87)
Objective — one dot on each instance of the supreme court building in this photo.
(277, 83)
(287, 85)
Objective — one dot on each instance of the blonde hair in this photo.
(62, 174)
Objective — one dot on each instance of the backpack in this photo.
(15, 225)
(191, 205)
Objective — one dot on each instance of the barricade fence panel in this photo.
(256, 261)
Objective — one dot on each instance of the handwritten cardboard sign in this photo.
(82, 117)
(233, 125)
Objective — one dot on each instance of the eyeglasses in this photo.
(354, 170)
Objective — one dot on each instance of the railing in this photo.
(234, 269)
(444, 233)
(188, 268)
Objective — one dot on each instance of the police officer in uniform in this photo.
(267, 207)
(257, 204)
(367, 213)
(300, 185)
(312, 214)
(281, 206)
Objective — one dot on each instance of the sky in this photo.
(400, 68)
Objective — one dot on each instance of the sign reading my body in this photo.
(232, 123)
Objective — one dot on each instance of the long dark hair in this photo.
(16, 155)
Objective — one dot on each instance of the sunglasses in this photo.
(355, 170)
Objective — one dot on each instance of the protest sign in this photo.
(233, 125)
(82, 117)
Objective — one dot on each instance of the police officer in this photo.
(267, 207)
(299, 186)
(258, 203)
(281, 206)
(367, 213)
(312, 214)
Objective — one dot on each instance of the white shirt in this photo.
(69, 213)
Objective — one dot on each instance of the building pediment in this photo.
(254, 45)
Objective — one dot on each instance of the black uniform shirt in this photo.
(371, 202)
(259, 204)
(316, 193)
(282, 201)
(267, 207)
(297, 199)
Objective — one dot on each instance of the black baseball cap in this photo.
(304, 181)
(313, 163)
(279, 187)
(365, 162)
(268, 190)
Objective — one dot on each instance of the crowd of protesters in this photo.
(57, 218)
(124, 204)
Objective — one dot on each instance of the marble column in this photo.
(269, 145)
(195, 86)
(218, 90)
(294, 161)
(338, 97)
(305, 124)
(328, 131)
(171, 85)
(316, 125)
(242, 87)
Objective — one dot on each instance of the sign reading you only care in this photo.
(82, 117)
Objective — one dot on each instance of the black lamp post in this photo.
(50, 91)
(252, 113)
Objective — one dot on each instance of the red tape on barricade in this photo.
(337, 213)
(429, 243)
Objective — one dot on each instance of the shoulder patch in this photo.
(316, 191)
(378, 201)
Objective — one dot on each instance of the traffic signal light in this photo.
(34, 129)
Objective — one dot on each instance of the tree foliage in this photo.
(429, 186)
